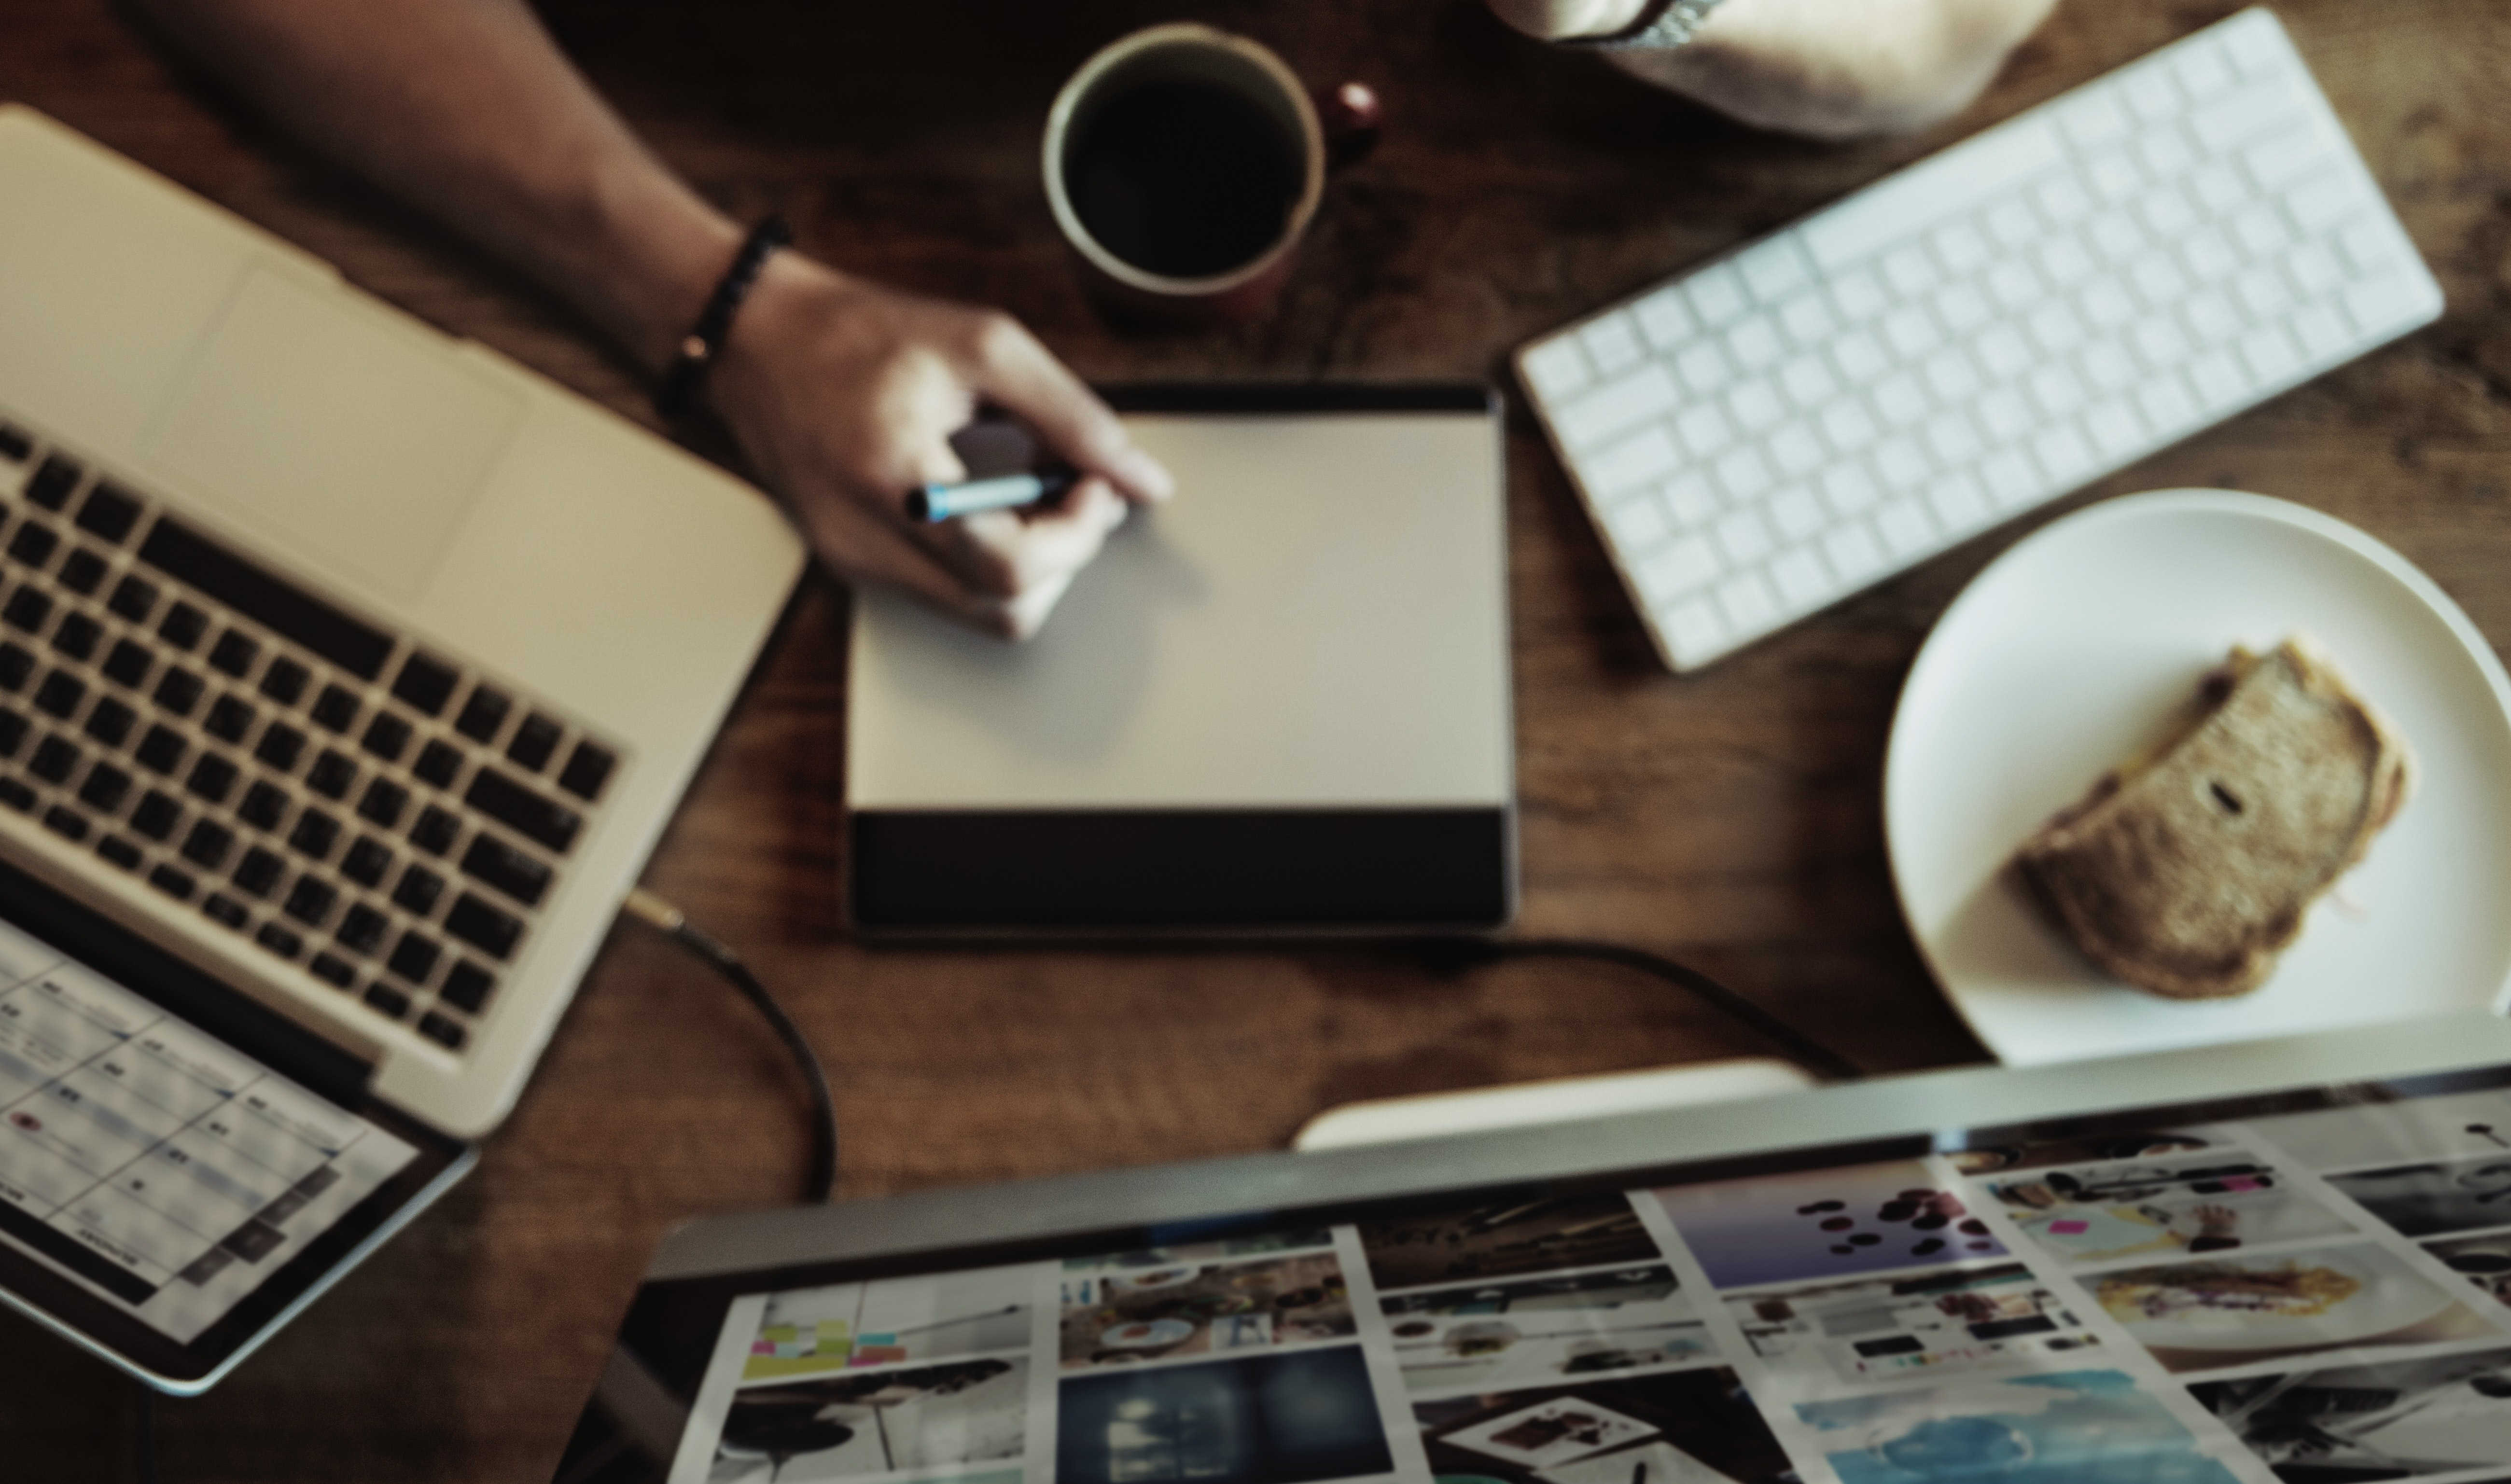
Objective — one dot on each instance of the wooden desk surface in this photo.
(1731, 819)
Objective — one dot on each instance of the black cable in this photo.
(1813, 1055)
(147, 1441)
(822, 1182)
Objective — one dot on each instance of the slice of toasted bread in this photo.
(2187, 871)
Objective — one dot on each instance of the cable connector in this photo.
(653, 911)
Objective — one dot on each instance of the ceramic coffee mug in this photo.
(1184, 164)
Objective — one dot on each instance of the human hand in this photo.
(845, 394)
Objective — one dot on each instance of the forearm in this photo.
(467, 109)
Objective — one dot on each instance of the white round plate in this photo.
(2073, 648)
(2388, 1297)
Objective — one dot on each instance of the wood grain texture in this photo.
(1731, 817)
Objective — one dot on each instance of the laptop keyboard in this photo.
(351, 803)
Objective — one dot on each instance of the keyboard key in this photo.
(332, 971)
(61, 694)
(443, 1030)
(14, 444)
(386, 737)
(109, 513)
(212, 777)
(66, 823)
(1647, 393)
(362, 931)
(279, 940)
(525, 879)
(468, 987)
(234, 653)
(1677, 570)
(183, 625)
(285, 681)
(105, 788)
(1907, 530)
(83, 572)
(1958, 503)
(177, 883)
(1635, 461)
(127, 663)
(1746, 599)
(1802, 579)
(17, 795)
(482, 714)
(435, 830)
(483, 926)
(229, 719)
(34, 543)
(178, 691)
(162, 749)
(16, 665)
(265, 805)
(208, 844)
(280, 746)
(120, 852)
(417, 891)
(336, 708)
(440, 762)
(55, 760)
(1557, 369)
(225, 911)
(414, 957)
(12, 732)
(383, 997)
(157, 816)
(315, 834)
(53, 482)
(523, 811)
(269, 600)
(1853, 553)
(332, 776)
(1610, 343)
(28, 609)
(133, 599)
(384, 802)
(366, 861)
(259, 871)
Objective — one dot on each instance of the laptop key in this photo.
(383, 997)
(362, 931)
(384, 802)
(109, 513)
(16, 665)
(444, 1029)
(14, 444)
(259, 871)
(315, 834)
(386, 737)
(280, 746)
(331, 774)
(265, 805)
(17, 795)
(133, 599)
(286, 680)
(425, 684)
(120, 852)
(66, 823)
(366, 861)
(83, 572)
(418, 891)
(438, 763)
(435, 830)
(183, 625)
(173, 547)
(310, 901)
(162, 750)
(26, 609)
(336, 708)
(53, 482)
(208, 844)
(279, 940)
(534, 740)
(524, 811)
(61, 694)
(157, 816)
(507, 868)
(414, 957)
(229, 719)
(227, 911)
(126, 665)
(234, 653)
(212, 777)
(483, 927)
(468, 987)
(55, 760)
(482, 714)
(334, 970)
(13, 732)
(587, 771)
(105, 788)
(178, 691)
(34, 543)
(111, 721)
(175, 883)
(78, 635)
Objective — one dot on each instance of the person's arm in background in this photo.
(843, 393)
(1829, 68)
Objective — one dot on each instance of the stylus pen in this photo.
(941, 502)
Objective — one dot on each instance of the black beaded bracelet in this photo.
(681, 379)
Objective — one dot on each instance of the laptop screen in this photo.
(2301, 1288)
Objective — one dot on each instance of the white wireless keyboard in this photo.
(2035, 308)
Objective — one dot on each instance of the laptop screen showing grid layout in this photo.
(319, 784)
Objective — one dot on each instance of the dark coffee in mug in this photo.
(1184, 179)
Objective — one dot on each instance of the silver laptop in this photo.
(348, 674)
